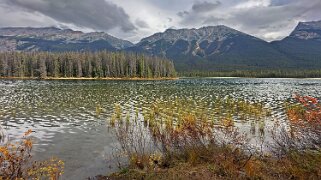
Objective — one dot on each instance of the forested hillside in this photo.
(303, 45)
(213, 48)
(84, 64)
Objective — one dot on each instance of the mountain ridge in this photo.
(206, 48)
(209, 48)
(58, 38)
(303, 45)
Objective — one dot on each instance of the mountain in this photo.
(55, 39)
(203, 49)
(303, 45)
(212, 48)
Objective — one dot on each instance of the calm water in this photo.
(63, 113)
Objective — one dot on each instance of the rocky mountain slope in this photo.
(303, 45)
(211, 48)
(55, 39)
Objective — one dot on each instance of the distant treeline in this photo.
(84, 64)
(281, 73)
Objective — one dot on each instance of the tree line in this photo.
(84, 64)
(275, 73)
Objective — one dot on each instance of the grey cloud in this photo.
(267, 22)
(199, 12)
(96, 14)
(199, 8)
(205, 6)
(182, 13)
(213, 20)
(142, 24)
(272, 20)
(275, 17)
(13, 17)
(281, 2)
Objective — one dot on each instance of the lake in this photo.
(70, 118)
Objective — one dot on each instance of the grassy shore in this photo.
(226, 165)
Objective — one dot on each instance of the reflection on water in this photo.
(69, 117)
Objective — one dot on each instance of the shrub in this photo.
(304, 128)
(16, 163)
(175, 142)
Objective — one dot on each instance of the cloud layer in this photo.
(132, 20)
(95, 14)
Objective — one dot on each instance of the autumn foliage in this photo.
(305, 122)
(168, 142)
(16, 162)
(308, 110)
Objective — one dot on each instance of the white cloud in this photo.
(252, 4)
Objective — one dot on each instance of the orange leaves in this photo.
(13, 157)
(50, 169)
(305, 119)
(15, 162)
(308, 110)
(28, 143)
(306, 100)
(27, 133)
(294, 115)
(4, 153)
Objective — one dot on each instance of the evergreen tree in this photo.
(83, 64)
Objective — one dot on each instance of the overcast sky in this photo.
(135, 19)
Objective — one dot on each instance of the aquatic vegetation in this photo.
(16, 162)
(52, 106)
(308, 109)
(99, 109)
(223, 111)
(304, 131)
(171, 127)
(171, 139)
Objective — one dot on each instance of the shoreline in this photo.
(86, 78)
(147, 79)
(240, 77)
(224, 77)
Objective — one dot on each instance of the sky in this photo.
(135, 19)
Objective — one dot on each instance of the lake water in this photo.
(66, 125)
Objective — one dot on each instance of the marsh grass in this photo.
(173, 130)
(179, 139)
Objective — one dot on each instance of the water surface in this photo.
(64, 117)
